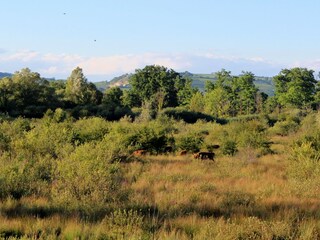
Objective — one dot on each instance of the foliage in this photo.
(196, 103)
(191, 142)
(189, 116)
(79, 91)
(147, 138)
(87, 179)
(284, 128)
(295, 87)
(69, 178)
(244, 93)
(26, 93)
(218, 102)
(161, 85)
(229, 147)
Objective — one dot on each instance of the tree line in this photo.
(154, 88)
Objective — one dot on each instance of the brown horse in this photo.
(139, 153)
(183, 152)
(204, 155)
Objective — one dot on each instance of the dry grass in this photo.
(239, 197)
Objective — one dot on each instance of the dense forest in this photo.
(69, 167)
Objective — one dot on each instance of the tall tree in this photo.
(224, 78)
(79, 91)
(112, 96)
(295, 87)
(218, 102)
(6, 94)
(244, 93)
(26, 87)
(26, 93)
(157, 82)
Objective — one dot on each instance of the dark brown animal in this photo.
(204, 155)
(139, 152)
(183, 153)
(215, 146)
(168, 149)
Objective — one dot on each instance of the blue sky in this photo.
(111, 37)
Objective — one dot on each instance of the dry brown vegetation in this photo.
(267, 189)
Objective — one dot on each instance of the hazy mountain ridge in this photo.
(265, 84)
(5, 74)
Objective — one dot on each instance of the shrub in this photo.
(88, 179)
(90, 129)
(190, 142)
(26, 178)
(284, 128)
(148, 139)
(190, 116)
(305, 157)
(44, 139)
(229, 147)
(124, 223)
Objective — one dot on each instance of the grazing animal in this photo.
(183, 153)
(139, 152)
(215, 146)
(204, 155)
(168, 149)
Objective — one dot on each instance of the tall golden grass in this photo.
(245, 196)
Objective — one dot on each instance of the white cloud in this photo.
(105, 67)
(50, 57)
(128, 63)
(23, 56)
(313, 64)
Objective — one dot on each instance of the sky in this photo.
(107, 38)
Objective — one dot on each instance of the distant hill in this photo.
(121, 81)
(4, 74)
(264, 84)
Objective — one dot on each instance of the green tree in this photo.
(295, 87)
(209, 86)
(79, 91)
(218, 102)
(112, 106)
(244, 93)
(113, 96)
(197, 102)
(26, 87)
(131, 99)
(152, 80)
(218, 98)
(185, 91)
(26, 93)
(224, 78)
(6, 94)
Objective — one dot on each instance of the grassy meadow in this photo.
(62, 178)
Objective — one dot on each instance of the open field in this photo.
(249, 195)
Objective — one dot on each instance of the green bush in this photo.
(90, 129)
(229, 147)
(87, 179)
(305, 157)
(190, 116)
(25, 178)
(190, 142)
(53, 139)
(284, 128)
